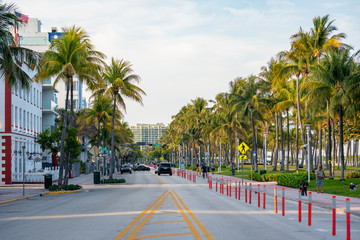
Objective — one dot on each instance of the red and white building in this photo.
(20, 122)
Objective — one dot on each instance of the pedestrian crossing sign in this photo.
(243, 148)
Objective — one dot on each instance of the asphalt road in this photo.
(165, 207)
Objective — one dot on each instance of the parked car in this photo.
(164, 167)
(125, 168)
(141, 168)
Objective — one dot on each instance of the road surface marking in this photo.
(187, 220)
(164, 235)
(164, 222)
(161, 180)
(136, 220)
(202, 228)
(142, 223)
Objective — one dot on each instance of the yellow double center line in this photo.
(157, 203)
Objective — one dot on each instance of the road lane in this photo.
(159, 207)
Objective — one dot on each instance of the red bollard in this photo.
(333, 215)
(264, 194)
(230, 189)
(236, 194)
(283, 201)
(239, 191)
(216, 184)
(275, 200)
(299, 205)
(309, 210)
(250, 193)
(258, 193)
(246, 192)
(227, 188)
(348, 219)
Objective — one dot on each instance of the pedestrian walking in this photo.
(213, 168)
(320, 175)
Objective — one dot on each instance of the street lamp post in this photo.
(23, 175)
(265, 157)
(308, 129)
(220, 157)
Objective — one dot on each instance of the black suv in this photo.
(164, 167)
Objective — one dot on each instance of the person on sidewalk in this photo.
(213, 168)
(320, 175)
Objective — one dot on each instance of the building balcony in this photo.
(48, 85)
(51, 107)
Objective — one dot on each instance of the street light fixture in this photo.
(23, 175)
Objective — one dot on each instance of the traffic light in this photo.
(163, 145)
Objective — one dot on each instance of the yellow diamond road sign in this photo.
(242, 157)
(243, 148)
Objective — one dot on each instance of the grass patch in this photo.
(337, 187)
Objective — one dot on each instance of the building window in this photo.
(20, 125)
(16, 117)
(24, 120)
(27, 122)
(31, 126)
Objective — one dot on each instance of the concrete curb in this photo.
(16, 199)
(61, 192)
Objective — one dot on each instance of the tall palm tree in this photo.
(12, 55)
(121, 83)
(73, 54)
(336, 71)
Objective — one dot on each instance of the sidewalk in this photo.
(319, 199)
(13, 192)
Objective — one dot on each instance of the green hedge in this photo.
(353, 175)
(70, 187)
(113, 180)
(293, 179)
(267, 177)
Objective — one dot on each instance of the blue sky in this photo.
(187, 49)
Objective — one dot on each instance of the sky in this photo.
(186, 49)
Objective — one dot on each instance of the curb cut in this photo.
(16, 199)
(61, 192)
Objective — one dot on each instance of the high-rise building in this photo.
(148, 133)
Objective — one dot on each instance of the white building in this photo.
(31, 37)
(20, 122)
(148, 133)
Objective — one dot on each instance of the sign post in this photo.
(243, 148)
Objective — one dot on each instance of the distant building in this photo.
(148, 133)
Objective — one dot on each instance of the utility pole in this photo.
(265, 151)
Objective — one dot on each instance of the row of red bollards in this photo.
(189, 175)
(248, 194)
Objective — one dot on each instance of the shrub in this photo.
(70, 187)
(268, 177)
(114, 180)
(353, 175)
(294, 179)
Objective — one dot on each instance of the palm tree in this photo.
(336, 71)
(99, 113)
(12, 55)
(73, 54)
(120, 82)
(251, 102)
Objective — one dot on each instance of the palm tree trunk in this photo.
(67, 161)
(297, 143)
(334, 148)
(288, 139)
(276, 143)
(63, 135)
(253, 142)
(112, 140)
(341, 144)
(282, 168)
(104, 158)
(98, 144)
(320, 149)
